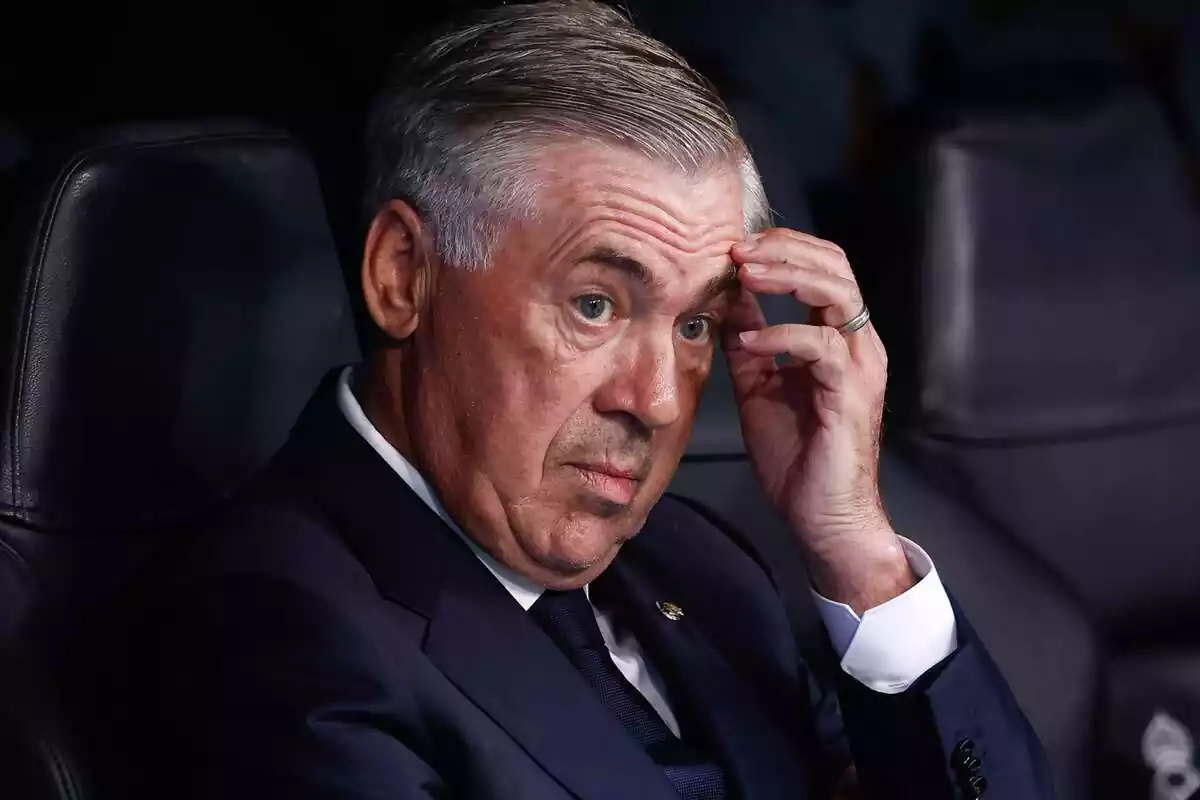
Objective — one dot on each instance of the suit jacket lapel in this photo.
(486, 644)
(478, 635)
(710, 698)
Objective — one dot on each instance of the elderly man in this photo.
(461, 577)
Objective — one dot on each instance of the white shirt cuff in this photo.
(895, 643)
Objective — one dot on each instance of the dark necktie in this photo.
(568, 619)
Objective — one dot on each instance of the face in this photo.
(552, 393)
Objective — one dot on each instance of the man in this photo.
(460, 577)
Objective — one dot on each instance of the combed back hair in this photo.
(455, 131)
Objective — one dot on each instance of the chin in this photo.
(587, 543)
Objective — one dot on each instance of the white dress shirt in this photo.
(887, 649)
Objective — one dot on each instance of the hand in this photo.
(812, 425)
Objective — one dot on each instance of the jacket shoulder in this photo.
(687, 514)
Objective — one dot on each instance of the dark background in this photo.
(846, 65)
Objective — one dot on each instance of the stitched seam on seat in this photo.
(30, 293)
(61, 773)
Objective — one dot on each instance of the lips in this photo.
(616, 484)
(611, 470)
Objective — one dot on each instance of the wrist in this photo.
(860, 570)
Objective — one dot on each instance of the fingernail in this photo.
(748, 336)
(754, 269)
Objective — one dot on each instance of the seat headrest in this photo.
(171, 310)
(1057, 276)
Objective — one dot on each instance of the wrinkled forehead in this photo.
(569, 174)
(592, 197)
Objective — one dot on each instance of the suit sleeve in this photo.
(957, 724)
(257, 688)
(912, 743)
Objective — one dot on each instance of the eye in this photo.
(696, 329)
(595, 308)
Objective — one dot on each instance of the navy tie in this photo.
(568, 619)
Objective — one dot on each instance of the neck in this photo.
(378, 389)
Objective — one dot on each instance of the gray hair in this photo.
(456, 128)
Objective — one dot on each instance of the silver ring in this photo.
(857, 321)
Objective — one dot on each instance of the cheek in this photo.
(694, 370)
(690, 382)
(522, 385)
(695, 375)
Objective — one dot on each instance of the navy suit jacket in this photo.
(330, 637)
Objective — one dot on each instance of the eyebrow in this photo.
(716, 286)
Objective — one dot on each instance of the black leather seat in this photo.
(170, 301)
(1037, 279)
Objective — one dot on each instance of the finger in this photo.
(865, 346)
(877, 344)
(786, 248)
(835, 300)
(823, 349)
(808, 238)
(868, 351)
(747, 369)
(799, 236)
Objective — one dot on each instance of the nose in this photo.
(645, 384)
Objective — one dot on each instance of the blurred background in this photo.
(1017, 184)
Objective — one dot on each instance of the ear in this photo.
(396, 270)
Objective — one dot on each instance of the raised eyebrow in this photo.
(725, 281)
(720, 284)
(614, 259)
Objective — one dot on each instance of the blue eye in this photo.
(696, 329)
(594, 307)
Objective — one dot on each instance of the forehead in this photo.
(590, 194)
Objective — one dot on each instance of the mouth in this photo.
(615, 484)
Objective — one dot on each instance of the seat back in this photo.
(1051, 323)
(176, 299)
(170, 300)
(1038, 285)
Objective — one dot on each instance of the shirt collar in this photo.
(522, 589)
